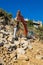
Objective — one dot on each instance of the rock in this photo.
(30, 47)
(20, 51)
(10, 38)
(1, 44)
(15, 56)
(14, 47)
(1, 35)
(6, 45)
(4, 40)
(39, 57)
(27, 59)
(16, 42)
(25, 45)
(11, 48)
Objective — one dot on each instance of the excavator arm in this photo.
(21, 19)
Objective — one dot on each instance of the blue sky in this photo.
(31, 9)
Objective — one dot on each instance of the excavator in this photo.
(20, 19)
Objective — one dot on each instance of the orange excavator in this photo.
(21, 19)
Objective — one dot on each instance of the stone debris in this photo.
(14, 52)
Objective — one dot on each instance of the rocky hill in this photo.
(17, 52)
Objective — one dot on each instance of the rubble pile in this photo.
(18, 52)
